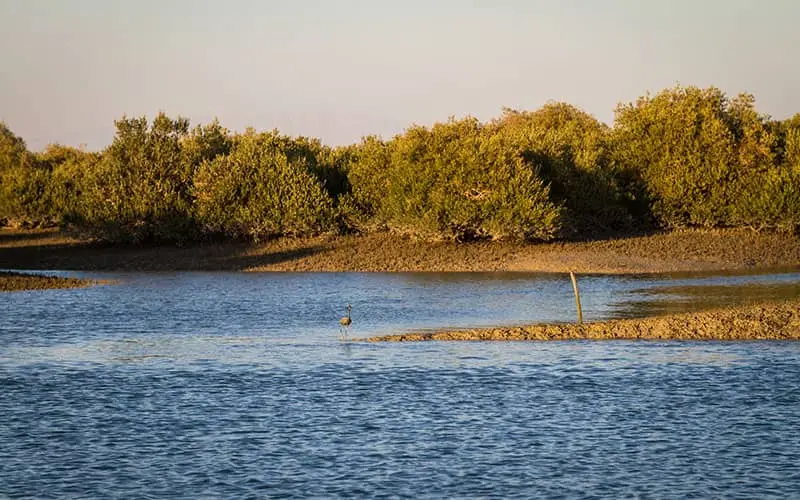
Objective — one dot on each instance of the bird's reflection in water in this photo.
(347, 348)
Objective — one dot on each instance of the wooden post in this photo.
(577, 297)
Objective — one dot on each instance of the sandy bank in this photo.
(754, 322)
(680, 251)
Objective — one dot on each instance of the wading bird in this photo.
(344, 323)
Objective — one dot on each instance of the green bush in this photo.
(23, 196)
(67, 169)
(691, 149)
(140, 190)
(22, 183)
(770, 196)
(456, 180)
(684, 157)
(771, 202)
(260, 190)
(367, 165)
(570, 152)
(13, 152)
(137, 192)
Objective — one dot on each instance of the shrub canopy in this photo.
(685, 157)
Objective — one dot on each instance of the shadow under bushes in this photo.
(89, 256)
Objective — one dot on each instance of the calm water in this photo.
(198, 385)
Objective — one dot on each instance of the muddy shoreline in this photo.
(694, 251)
(678, 251)
(767, 321)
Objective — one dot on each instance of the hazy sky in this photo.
(341, 69)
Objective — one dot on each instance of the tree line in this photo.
(685, 157)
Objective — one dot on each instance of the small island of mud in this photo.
(771, 321)
(14, 282)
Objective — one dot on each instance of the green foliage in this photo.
(770, 195)
(694, 152)
(456, 180)
(570, 151)
(367, 167)
(265, 187)
(321, 161)
(772, 201)
(788, 132)
(203, 143)
(679, 147)
(23, 196)
(22, 184)
(138, 191)
(13, 152)
(706, 160)
(684, 157)
(67, 168)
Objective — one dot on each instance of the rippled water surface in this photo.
(198, 385)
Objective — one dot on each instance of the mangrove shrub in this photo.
(456, 180)
(570, 152)
(260, 190)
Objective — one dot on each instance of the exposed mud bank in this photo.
(679, 251)
(754, 322)
(13, 282)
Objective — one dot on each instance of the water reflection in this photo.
(694, 298)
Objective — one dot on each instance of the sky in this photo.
(343, 69)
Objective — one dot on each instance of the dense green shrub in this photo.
(570, 152)
(13, 152)
(203, 143)
(684, 157)
(790, 135)
(140, 190)
(679, 146)
(67, 169)
(456, 180)
(770, 196)
(262, 189)
(137, 192)
(321, 161)
(702, 158)
(22, 182)
(367, 165)
(23, 196)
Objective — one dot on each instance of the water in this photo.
(209, 385)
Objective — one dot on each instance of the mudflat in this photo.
(676, 251)
(778, 321)
(12, 282)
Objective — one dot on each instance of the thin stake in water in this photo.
(577, 297)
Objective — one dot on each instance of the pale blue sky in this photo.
(341, 69)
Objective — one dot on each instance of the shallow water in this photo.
(236, 385)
